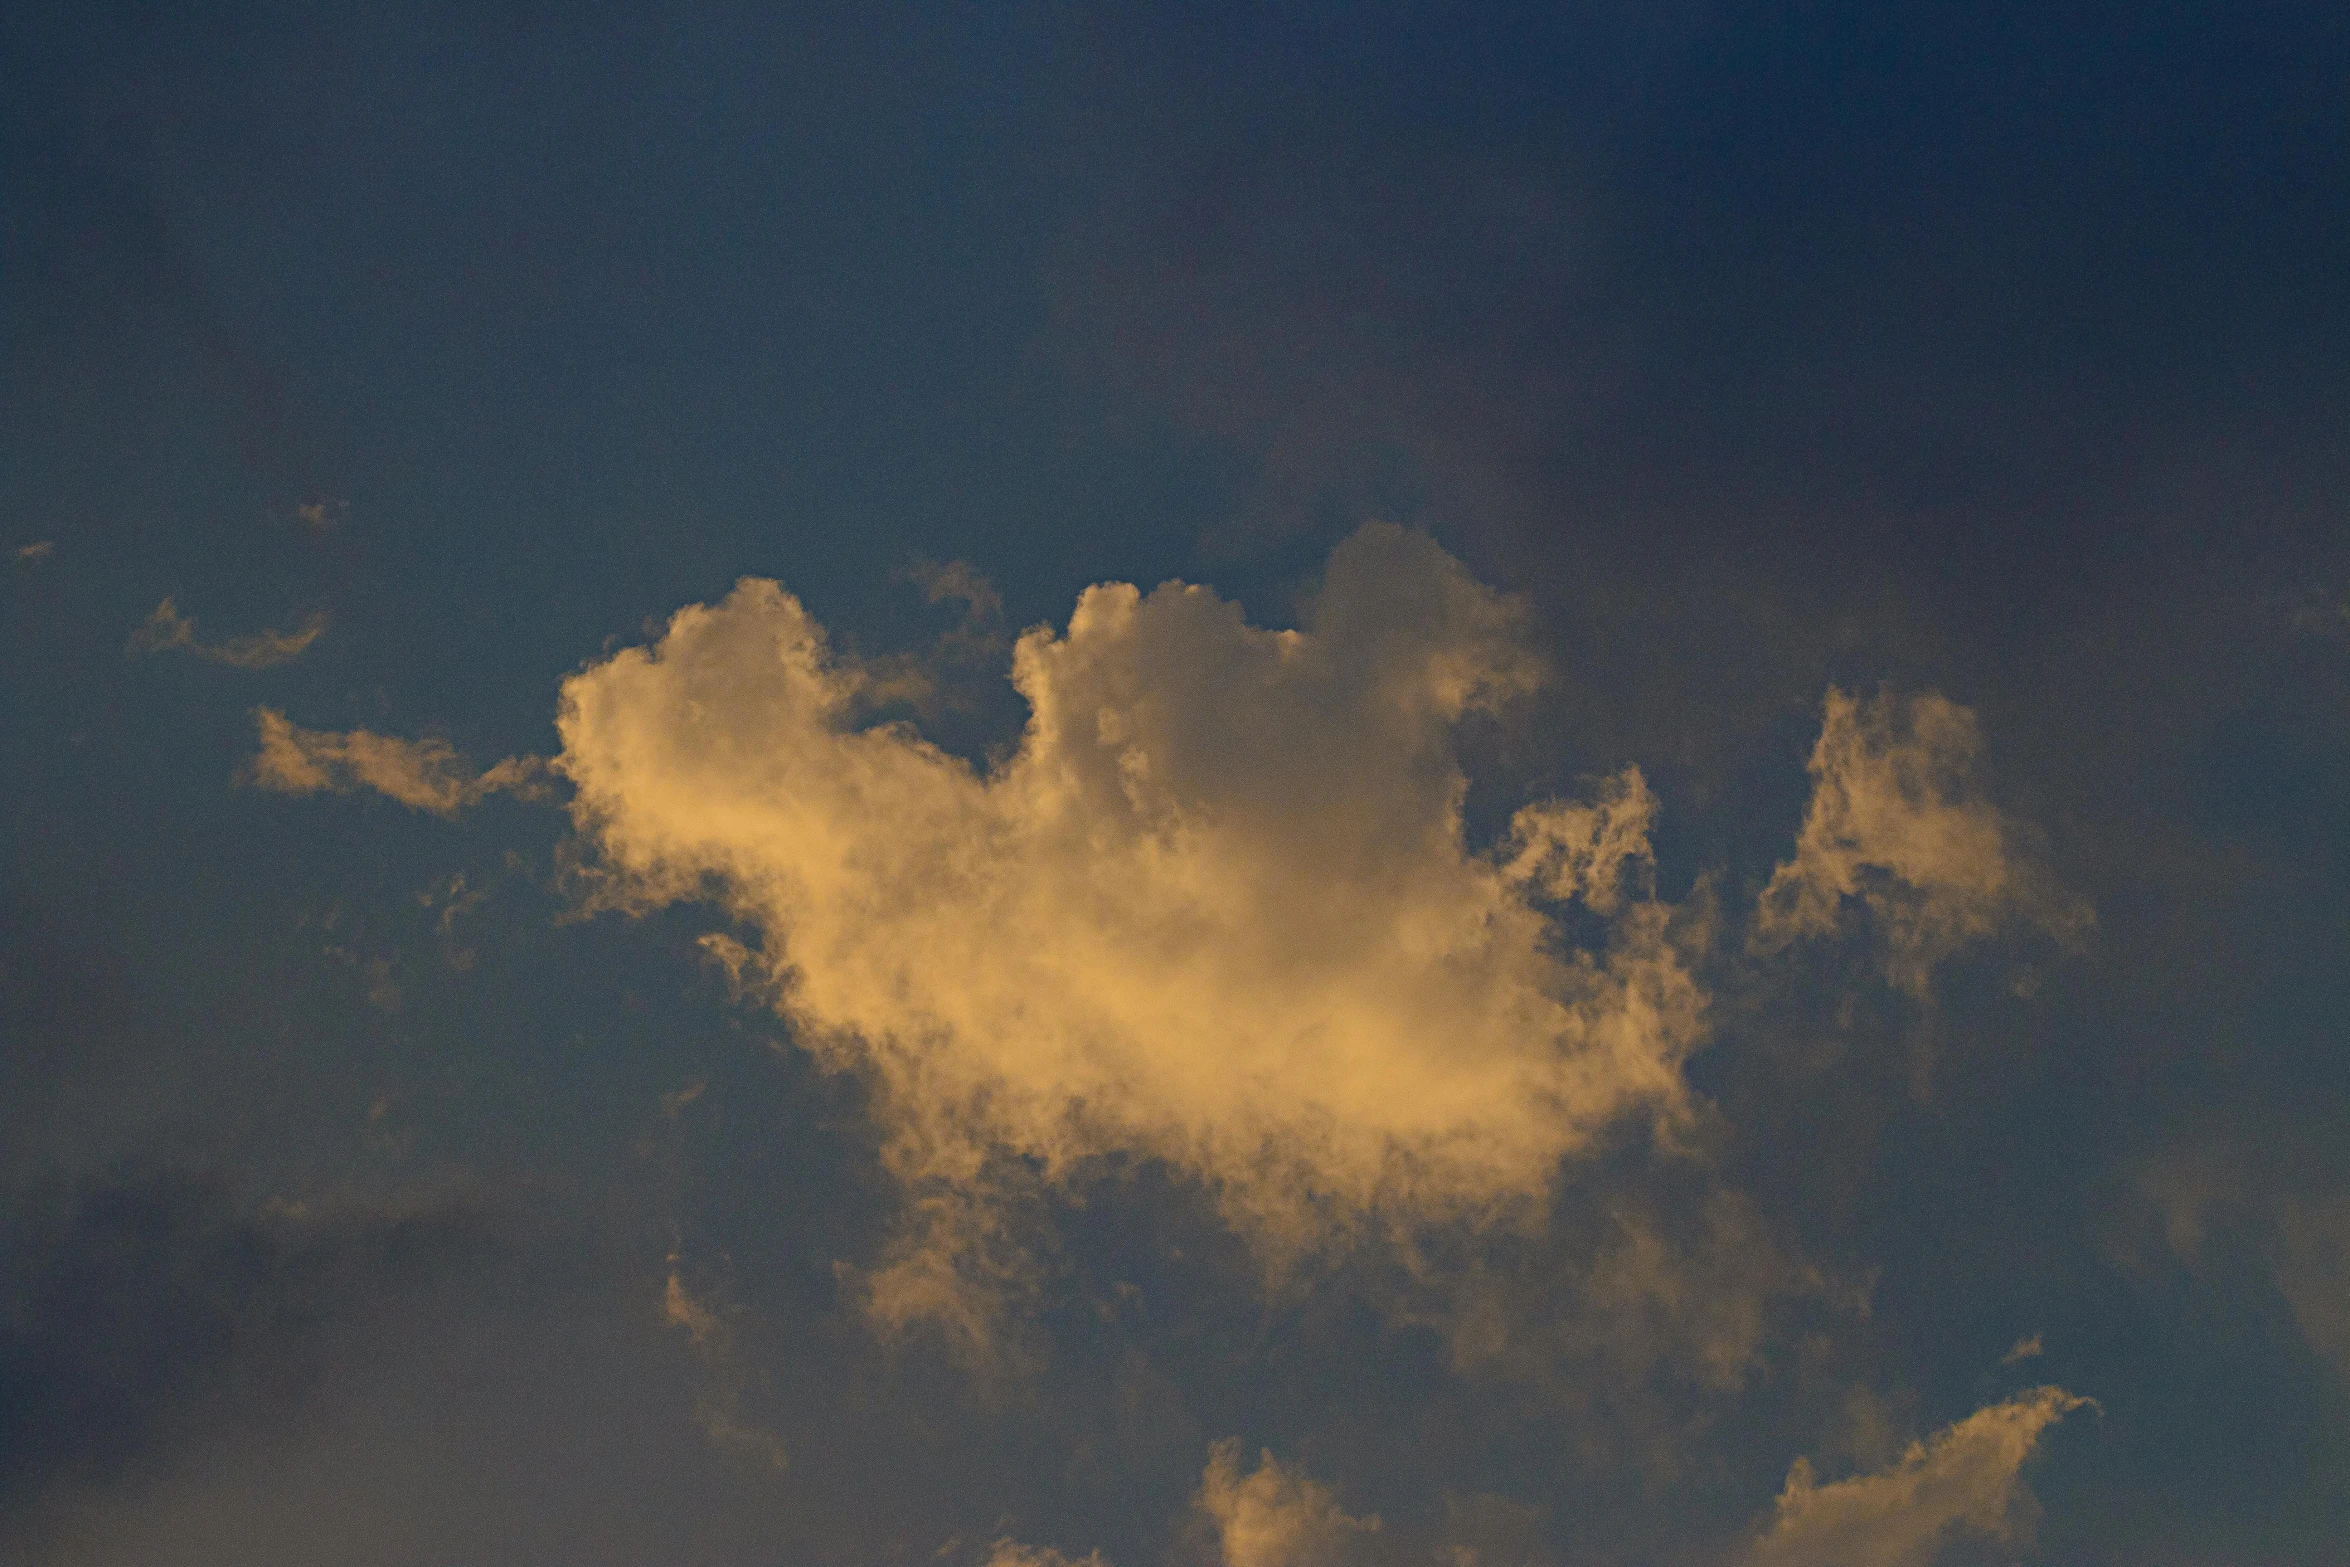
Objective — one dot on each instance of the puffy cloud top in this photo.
(1217, 907)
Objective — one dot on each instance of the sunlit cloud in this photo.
(1217, 908)
(1011, 1553)
(425, 775)
(35, 553)
(167, 630)
(1277, 1517)
(1965, 1479)
(1899, 825)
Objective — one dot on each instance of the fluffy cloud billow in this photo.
(1216, 908)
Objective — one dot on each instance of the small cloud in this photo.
(1011, 1553)
(35, 554)
(456, 900)
(680, 1310)
(1276, 1516)
(2025, 1349)
(321, 514)
(1898, 824)
(1964, 1479)
(168, 630)
(424, 775)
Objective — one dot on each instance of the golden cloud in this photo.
(424, 775)
(1898, 823)
(1276, 1517)
(1216, 908)
(1966, 1478)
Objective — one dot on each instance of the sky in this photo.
(1282, 786)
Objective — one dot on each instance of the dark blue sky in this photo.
(358, 1192)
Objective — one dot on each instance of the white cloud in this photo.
(1898, 823)
(167, 629)
(1216, 908)
(1965, 1479)
(425, 775)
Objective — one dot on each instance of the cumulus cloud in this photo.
(1898, 824)
(1965, 1479)
(424, 775)
(167, 630)
(1216, 908)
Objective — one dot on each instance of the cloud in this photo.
(1216, 908)
(1276, 1517)
(167, 629)
(1898, 823)
(424, 775)
(35, 553)
(2023, 1350)
(1011, 1553)
(1964, 1479)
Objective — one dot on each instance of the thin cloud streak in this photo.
(424, 775)
(167, 630)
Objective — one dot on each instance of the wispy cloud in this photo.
(34, 554)
(1966, 1478)
(167, 630)
(425, 775)
(1899, 825)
